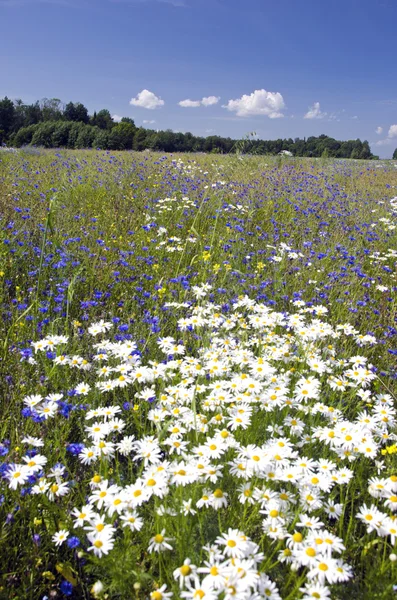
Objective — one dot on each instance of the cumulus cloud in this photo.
(315, 112)
(146, 99)
(189, 103)
(392, 131)
(391, 136)
(386, 142)
(210, 100)
(260, 102)
(206, 101)
(116, 118)
(379, 130)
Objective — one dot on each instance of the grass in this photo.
(168, 246)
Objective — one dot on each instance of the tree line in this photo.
(51, 124)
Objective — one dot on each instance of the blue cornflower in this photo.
(3, 450)
(73, 542)
(66, 588)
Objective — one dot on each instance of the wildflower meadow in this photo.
(198, 377)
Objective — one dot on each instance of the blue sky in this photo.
(284, 68)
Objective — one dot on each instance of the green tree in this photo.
(43, 132)
(128, 120)
(140, 139)
(7, 115)
(366, 151)
(70, 112)
(86, 136)
(74, 134)
(101, 140)
(19, 114)
(32, 114)
(103, 119)
(122, 136)
(345, 149)
(163, 141)
(51, 109)
(71, 120)
(23, 136)
(76, 112)
(60, 135)
(81, 112)
(395, 154)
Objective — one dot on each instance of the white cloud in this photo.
(260, 102)
(146, 99)
(206, 101)
(210, 100)
(116, 118)
(148, 121)
(355, 117)
(379, 130)
(314, 112)
(391, 135)
(386, 142)
(392, 131)
(189, 103)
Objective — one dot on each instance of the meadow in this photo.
(198, 377)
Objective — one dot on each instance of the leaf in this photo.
(67, 572)
(368, 546)
(194, 230)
